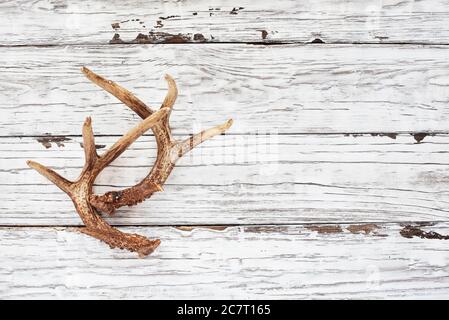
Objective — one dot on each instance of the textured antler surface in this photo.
(168, 149)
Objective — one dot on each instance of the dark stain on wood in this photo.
(170, 38)
(97, 146)
(264, 34)
(326, 229)
(47, 141)
(265, 229)
(391, 135)
(413, 231)
(317, 40)
(381, 38)
(161, 37)
(195, 13)
(267, 43)
(168, 17)
(115, 25)
(116, 39)
(199, 37)
(236, 10)
(354, 135)
(60, 6)
(363, 228)
(159, 24)
(141, 38)
(190, 228)
(419, 224)
(419, 136)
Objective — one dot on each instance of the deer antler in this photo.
(81, 189)
(168, 149)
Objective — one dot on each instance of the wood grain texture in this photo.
(244, 262)
(78, 22)
(306, 197)
(281, 89)
(244, 179)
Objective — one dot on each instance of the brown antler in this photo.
(168, 149)
(80, 190)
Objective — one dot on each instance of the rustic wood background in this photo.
(332, 183)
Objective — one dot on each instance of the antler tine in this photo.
(80, 191)
(181, 148)
(90, 152)
(172, 93)
(169, 150)
(120, 93)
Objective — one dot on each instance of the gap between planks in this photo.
(232, 225)
(261, 44)
(354, 134)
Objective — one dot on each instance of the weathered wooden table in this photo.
(332, 183)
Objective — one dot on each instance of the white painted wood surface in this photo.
(324, 133)
(245, 179)
(237, 263)
(285, 89)
(347, 21)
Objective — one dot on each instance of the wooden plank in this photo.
(284, 89)
(244, 179)
(350, 21)
(246, 262)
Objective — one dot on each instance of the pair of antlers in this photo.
(168, 152)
